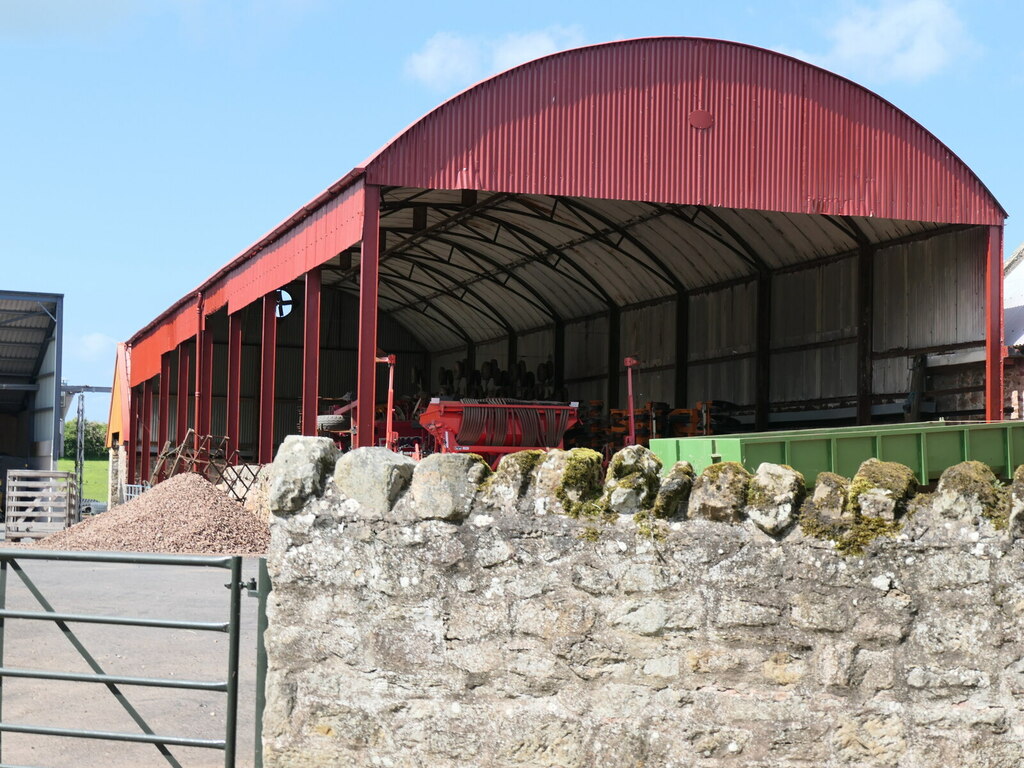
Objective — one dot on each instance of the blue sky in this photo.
(147, 142)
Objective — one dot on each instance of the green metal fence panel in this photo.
(928, 448)
(9, 560)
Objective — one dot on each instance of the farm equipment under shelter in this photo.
(496, 426)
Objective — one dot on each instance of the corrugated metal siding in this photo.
(815, 304)
(723, 322)
(494, 350)
(648, 387)
(732, 381)
(586, 351)
(443, 360)
(536, 348)
(814, 374)
(612, 121)
(930, 294)
(649, 334)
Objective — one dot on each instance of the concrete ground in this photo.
(185, 594)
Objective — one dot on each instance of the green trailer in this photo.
(928, 448)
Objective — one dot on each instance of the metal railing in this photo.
(9, 561)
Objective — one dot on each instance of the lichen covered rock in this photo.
(298, 472)
(568, 483)
(444, 485)
(828, 502)
(631, 484)
(1015, 523)
(674, 493)
(511, 480)
(881, 490)
(373, 477)
(774, 495)
(720, 493)
(970, 490)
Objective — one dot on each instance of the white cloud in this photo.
(445, 61)
(515, 49)
(448, 61)
(93, 348)
(904, 40)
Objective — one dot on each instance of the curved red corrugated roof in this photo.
(683, 121)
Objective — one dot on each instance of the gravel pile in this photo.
(184, 514)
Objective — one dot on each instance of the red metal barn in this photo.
(752, 228)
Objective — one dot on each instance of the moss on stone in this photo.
(581, 476)
(524, 461)
(590, 533)
(483, 469)
(890, 476)
(739, 483)
(521, 463)
(674, 491)
(849, 539)
(757, 496)
(649, 527)
(973, 478)
(714, 471)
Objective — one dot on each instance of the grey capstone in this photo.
(298, 472)
(775, 492)
(373, 477)
(720, 493)
(674, 492)
(828, 502)
(444, 486)
(631, 483)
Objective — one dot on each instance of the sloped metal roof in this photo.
(27, 323)
(606, 176)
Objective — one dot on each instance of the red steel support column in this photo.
(134, 404)
(163, 405)
(204, 397)
(268, 369)
(234, 384)
(366, 381)
(181, 398)
(994, 348)
(311, 353)
(147, 427)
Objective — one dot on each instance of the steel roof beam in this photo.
(522, 234)
(679, 213)
(544, 306)
(451, 323)
(590, 232)
(623, 230)
(492, 314)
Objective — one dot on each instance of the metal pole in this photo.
(311, 352)
(263, 588)
(366, 369)
(630, 362)
(268, 373)
(163, 429)
(80, 452)
(233, 633)
(234, 382)
(147, 430)
(994, 349)
(3, 605)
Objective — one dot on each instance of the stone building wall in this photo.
(421, 619)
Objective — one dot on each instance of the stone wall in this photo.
(420, 618)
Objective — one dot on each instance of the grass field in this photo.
(94, 477)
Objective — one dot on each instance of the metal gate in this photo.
(9, 561)
(39, 502)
